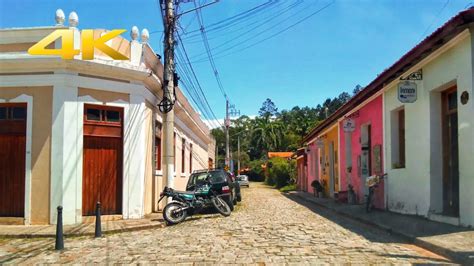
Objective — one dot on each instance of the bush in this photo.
(281, 173)
(256, 172)
(288, 188)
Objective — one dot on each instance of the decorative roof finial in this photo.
(59, 17)
(134, 33)
(145, 36)
(73, 19)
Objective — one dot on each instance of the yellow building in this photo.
(323, 157)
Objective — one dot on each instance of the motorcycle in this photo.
(372, 183)
(188, 203)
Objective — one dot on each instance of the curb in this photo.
(80, 234)
(416, 241)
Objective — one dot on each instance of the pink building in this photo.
(361, 147)
(312, 170)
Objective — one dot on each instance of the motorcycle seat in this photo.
(185, 192)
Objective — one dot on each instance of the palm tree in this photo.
(267, 134)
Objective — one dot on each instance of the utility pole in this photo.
(166, 105)
(229, 111)
(238, 154)
(227, 125)
(216, 156)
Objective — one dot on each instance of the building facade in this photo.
(430, 142)
(414, 122)
(323, 159)
(76, 132)
(361, 135)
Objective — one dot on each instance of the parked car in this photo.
(243, 180)
(220, 181)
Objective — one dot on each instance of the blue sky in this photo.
(346, 44)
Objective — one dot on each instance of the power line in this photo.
(189, 86)
(264, 22)
(224, 27)
(195, 85)
(192, 74)
(267, 38)
(233, 19)
(209, 53)
(435, 18)
(225, 31)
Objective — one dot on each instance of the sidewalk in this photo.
(85, 229)
(448, 240)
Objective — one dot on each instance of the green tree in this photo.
(268, 109)
(266, 135)
(357, 89)
(281, 173)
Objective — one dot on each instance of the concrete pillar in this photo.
(134, 158)
(65, 154)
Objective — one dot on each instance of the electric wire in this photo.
(434, 19)
(226, 31)
(188, 85)
(231, 20)
(199, 87)
(264, 22)
(209, 52)
(199, 99)
(222, 53)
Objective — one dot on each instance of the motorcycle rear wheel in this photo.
(172, 215)
(369, 204)
(221, 206)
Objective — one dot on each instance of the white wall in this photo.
(67, 149)
(415, 189)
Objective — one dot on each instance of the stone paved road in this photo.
(267, 227)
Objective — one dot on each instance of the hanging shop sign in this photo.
(348, 125)
(407, 92)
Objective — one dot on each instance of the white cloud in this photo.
(213, 123)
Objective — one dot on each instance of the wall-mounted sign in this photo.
(407, 92)
(354, 114)
(417, 75)
(348, 125)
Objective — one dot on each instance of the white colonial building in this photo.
(74, 132)
(429, 141)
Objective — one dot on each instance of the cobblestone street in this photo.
(266, 227)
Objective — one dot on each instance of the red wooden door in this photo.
(12, 159)
(102, 160)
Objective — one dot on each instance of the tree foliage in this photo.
(268, 108)
(274, 131)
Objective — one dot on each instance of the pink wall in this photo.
(371, 113)
(312, 167)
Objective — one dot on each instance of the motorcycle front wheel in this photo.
(221, 206)
(172, 213)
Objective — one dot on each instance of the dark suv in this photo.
(220, 180)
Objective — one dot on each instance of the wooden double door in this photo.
(102, 159)
(12, 159)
